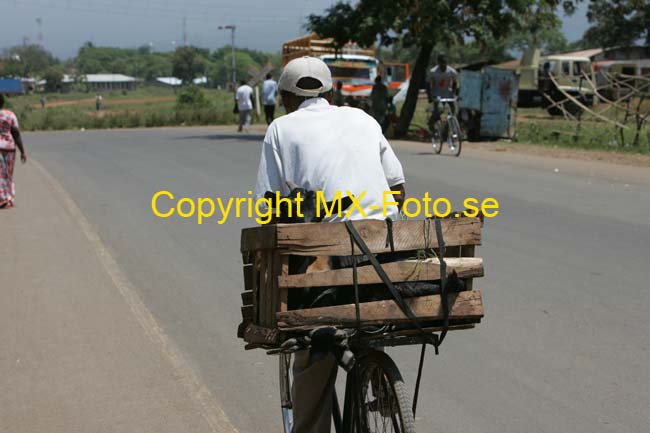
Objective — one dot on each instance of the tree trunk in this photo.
(417, 78)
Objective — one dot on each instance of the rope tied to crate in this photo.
(399, 300)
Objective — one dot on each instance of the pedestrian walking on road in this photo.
(9, 140)
(379, 102)
(338, 99)
(244, 98)
(269, 95)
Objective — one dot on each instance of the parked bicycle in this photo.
(444, 126)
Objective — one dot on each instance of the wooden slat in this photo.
(284, 294)
(258, 238)
(247, 313)
(260, 335)
(332, 239)
(247, 298)
(269, 295)
(261, 305)
(276, 266)
(255, 277)
(405, 270)
(248, 277)
(468, 251)
(463, 305)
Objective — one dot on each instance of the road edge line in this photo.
(196, 390)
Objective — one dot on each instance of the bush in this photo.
(191, 96)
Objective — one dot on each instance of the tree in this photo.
(27, 60)
(618, 22)
(426, 23)
(53, 77)
(188, 63)
(340, 24)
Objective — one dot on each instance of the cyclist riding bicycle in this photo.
(443, 83)
(319, 146)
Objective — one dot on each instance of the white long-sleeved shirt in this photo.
(329, 148)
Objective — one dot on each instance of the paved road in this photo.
(565, 346)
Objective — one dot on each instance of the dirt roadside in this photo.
(80, 351)
(107, 102)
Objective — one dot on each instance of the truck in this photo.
(556, 76)
(354, 66)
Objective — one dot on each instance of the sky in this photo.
(261, 24)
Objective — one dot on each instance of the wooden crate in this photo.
(266, 251)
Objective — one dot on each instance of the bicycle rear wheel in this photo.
(385, 405)
(454, 138)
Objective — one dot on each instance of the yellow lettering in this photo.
(224, 211)
(490, 203)
(405, 208)
(179, 207)
(154, 204)
(202, 213)
(447, 205)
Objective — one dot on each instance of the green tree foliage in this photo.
(188, 63)
(340, 23)
(53, 77)
(140, 62)
(191, 96)
(246, 60)
(618, 22)
(26, 61)
(423, 24)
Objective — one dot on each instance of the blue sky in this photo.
(261, 24)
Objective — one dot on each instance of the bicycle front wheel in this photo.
(454, 137)
(385, 405)
(436, 136)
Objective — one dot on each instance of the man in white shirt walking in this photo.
(322, 147)
(244, 98)
(269, 94)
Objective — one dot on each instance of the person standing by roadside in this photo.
(379, 102)
(98, 102)
(9, 139)
(244, 96)
(269, 95)
(338, 99)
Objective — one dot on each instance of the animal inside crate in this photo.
(271, 278)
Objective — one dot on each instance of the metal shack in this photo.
(11, 86)
(488, 103)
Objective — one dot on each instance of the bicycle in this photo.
(444, 129)
(375, 399)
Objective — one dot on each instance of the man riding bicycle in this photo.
(443, 83)
(322, 147)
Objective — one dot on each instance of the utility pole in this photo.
(39, 37)
(184, 32)
(232, 29)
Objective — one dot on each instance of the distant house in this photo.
(176, 82)
(108, 82)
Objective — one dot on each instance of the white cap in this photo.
(303, 67)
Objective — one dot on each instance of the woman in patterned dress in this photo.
(9, 140)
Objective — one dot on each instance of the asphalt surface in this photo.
(564, 347)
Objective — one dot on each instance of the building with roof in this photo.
(176, 82)
(108, 82)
